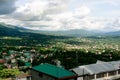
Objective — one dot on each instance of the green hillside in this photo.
(11, 35)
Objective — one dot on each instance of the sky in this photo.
(103, 15)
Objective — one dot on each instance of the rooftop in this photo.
(52, 70)
(97, 68)
(2, 61)
(28, 64)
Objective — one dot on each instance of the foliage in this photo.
(6, 73)
(2, 67)
(20, 63)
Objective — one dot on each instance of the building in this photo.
(23, 77)
(51, 72)
(98, 71)
(2, 61)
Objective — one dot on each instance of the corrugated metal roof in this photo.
(116, 64)
(97, 68)
(53, 70)
(80, 71)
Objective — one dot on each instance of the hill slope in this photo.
(73, 33)
(116, 33)
(26, 38)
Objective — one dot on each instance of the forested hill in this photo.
(12, 35)
(8, 31)
(14, 31)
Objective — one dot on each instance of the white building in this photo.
(98, 71)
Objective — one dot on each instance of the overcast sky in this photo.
(62, 14)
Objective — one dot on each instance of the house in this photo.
(23, 77)
(51, 72)
(2, 61)
(98, 71)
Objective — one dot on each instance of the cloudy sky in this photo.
(101, 15)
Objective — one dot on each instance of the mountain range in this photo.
(16, 36)
(10, 30)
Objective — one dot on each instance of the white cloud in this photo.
(113, 25)
(60, 15)
(8, 20)
(82, 11)
(39, 9)
(41, 18)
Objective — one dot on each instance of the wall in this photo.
(36, 75)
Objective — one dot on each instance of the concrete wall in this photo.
(104, 76)
(38, 76)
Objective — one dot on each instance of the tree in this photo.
(6, 73)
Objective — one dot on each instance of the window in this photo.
(100, 75)
(91, 77)
(112, 73)
(105, 75)
(119, 71)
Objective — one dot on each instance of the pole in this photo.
(83, 73)
(76, 57)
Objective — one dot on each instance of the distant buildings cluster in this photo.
(44, 71)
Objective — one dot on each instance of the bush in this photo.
(6, 73)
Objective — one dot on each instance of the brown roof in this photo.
(2, 61)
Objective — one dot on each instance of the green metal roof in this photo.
(28, 64)
(11, 52)
(52, 70)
